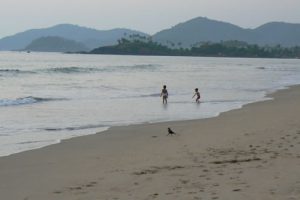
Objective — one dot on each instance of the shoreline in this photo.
(223, 157)
(267, 96)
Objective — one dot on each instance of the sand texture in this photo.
(245, 154)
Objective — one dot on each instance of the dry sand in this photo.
(249, 153)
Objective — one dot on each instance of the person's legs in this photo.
(165, 100)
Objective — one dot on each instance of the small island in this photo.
(141, 45)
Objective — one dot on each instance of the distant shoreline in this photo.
(231, 49)
(184, 56)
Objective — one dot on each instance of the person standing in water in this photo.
(197, 93)
(164, 94)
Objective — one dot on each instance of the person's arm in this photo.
(194, 95)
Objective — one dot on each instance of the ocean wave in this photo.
(76, 128)
(26, 100)
(150, 95)
(70, 70)
(145, 95)
(34, 142)
(137, 96)
(213, 101)
(226, 101)
(79, 70)
(135, 67)
(14, 72)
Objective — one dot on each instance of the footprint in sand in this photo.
(272, 191)
(273, 157)
(91, 184)
(155, 195)
(184, 181)
(75, 188)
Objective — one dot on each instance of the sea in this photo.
(49, 97)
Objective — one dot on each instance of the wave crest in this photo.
(77, 128)
(14, 72)
(25, 100)
(79, 70)
(70, 70)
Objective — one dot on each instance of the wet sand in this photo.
(249, 153)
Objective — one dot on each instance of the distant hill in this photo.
(273, 33)
(91, 38)
(55, 44)
(187, 34)
(203, 29)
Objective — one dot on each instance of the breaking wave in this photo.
(70, 70)
(25, 100)
(80, 70)
(76, 128)
(4, 72)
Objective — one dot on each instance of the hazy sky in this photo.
(145, 15)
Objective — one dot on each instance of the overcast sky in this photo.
(145, 15)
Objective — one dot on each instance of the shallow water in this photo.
(46, 97)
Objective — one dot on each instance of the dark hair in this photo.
(196, 89)
(165, 86)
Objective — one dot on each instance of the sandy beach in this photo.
(249, 153)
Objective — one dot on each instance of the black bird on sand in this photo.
(170, 132)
